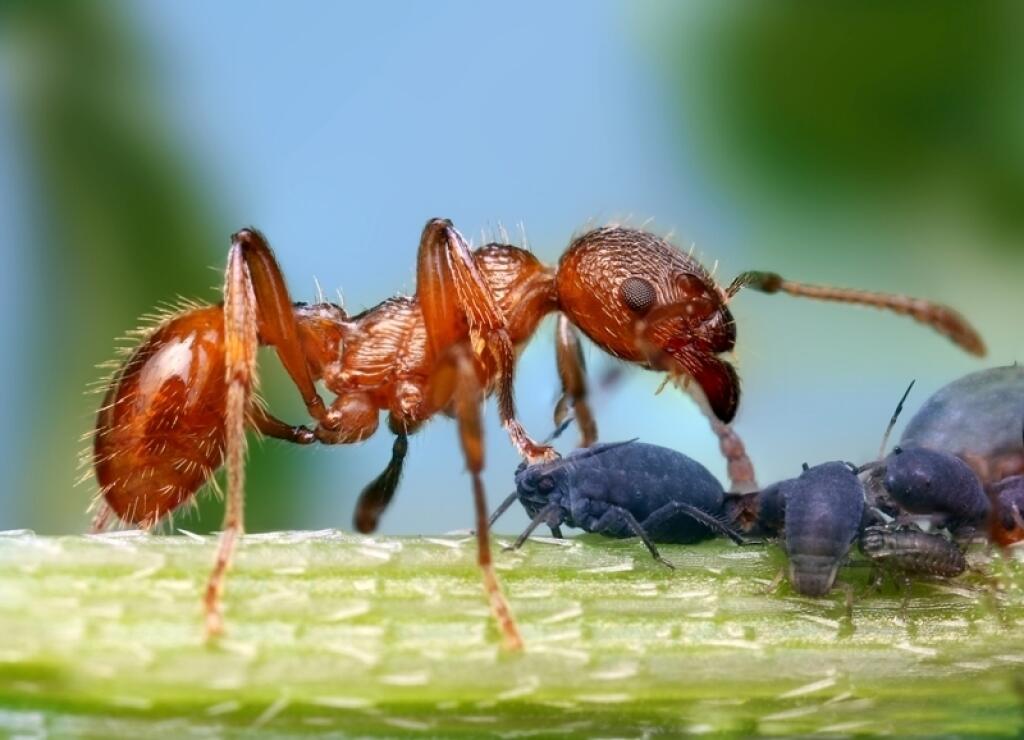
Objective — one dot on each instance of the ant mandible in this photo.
(178, 407)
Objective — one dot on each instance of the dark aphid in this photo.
(623, 489)
(821, 513)
(929, 482)
(1008, 510)
(912, 552)
(979, 418)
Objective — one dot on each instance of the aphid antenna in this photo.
(557, 431)
(892, 421)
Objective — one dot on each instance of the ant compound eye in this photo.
(897, 450)
(638, 295)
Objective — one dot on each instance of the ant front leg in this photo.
(572, 371)
(256, 307)
(683, 364)
(455, 383)
(456, 301)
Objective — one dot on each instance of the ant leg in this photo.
(572, 371)
(275, 313)
(674, 508)
(455, 380)
(378, 493)
(240, 343)
(271, 426)
(615, 515)
(738, 464)
(541, 517)
(556, 532)
(454, 298)
(680, 356)
(941, 318)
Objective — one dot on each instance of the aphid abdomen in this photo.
(643, 478)
(160, 431)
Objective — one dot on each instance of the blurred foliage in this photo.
(904, 107)
(123, 222)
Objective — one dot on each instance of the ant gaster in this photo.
(178, 408)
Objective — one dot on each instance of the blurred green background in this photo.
(873, 145)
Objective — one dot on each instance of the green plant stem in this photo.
(329, 631)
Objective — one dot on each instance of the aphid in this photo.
(623, 489)
(929, 482)
(979, 418)
(1008, 510)
(818, 516)
(178, 408)
(912, 552)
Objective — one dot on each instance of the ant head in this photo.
(644, 301)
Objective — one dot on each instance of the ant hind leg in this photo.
(240, 344)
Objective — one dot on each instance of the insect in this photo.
(179, 405)
(979, 418)
(818, 516)
(623, 489)
(922, 481)
(912, 552)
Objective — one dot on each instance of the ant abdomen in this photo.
(160, 431)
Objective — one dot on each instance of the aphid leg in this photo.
(454, 295)
(847, 590)
(572, 371)
(240, 344)
(676, 508)
(505, 505)
(556, 532)
(774, 583)
(615, 514)
(941, 318)
(455, 380)
(540, 518)
(378, 493)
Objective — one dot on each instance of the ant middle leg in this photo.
(457, 305)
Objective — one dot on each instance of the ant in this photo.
(177, 409)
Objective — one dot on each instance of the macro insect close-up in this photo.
(481, 370)
(179, 405)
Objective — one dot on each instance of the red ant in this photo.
(178, 408)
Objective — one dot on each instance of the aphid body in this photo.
(821, 513)
(623, 489)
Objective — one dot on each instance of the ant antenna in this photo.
(892, 421)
